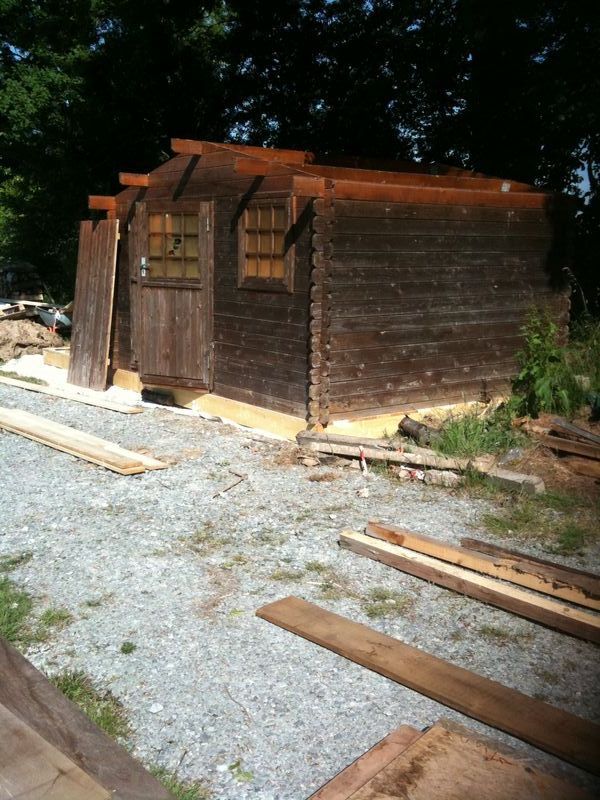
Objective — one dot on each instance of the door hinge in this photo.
(207, 224)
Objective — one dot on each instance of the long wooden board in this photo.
(27, 694)
(539, 609)
(93, 303)
(521, 574)
(76, 443)
(449, 762)
(570, 446)
(563, 426)
(583, 466)
(31, 768)
(76, 397)
(551, 729)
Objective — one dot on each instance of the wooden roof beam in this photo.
(133, 179)
(101, 202)
(193, 147)
(359, 190)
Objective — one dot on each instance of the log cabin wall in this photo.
(428, 300)
(260, 337)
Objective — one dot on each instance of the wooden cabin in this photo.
(323, 291)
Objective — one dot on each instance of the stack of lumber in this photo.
(68, 393)
(551, 729)
(76, 443)
(582, 446)
(490, 578)
(445, 762)
(50, 750)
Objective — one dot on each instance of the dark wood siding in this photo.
(428, 301)
(120, 355)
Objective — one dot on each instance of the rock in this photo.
(155, 708)
(18, 337)
(441, 477)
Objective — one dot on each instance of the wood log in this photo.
(583, 466)
(520, 574)
(551, 729)
(573, 621)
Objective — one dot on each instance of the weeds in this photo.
(204, 540)
(15, 607)
(56, 618)
(474, 434)
(103, 708)
(7, 373)
(383, 602)
(128, 647)
(281, 574)
(8, 563)
(181, 790)
(239, 773)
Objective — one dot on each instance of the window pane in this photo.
(156, 244)
(190, 246)
(278, 243)
(192, 268)
(174, 269)
(252, 217)
(173, 223)
(279, 216)
(190, 223)
(264, 217)
(251, 267)
(174, 245)
(155, 223)
(277, 269)
(264, 267)
(265, 243)
(251, 242)
(157, 267)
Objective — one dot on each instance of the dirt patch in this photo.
(23, 336)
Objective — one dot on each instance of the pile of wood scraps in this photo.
(579, 448)
(412, 458)
(489, 578)
(77, 443)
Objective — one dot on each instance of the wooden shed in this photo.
(324, 291)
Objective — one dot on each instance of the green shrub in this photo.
(546, 380)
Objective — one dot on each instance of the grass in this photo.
(502, 636)
(562, 524)
(239, 773)
(181, 790)
(103, 708)
(128, 647)
(382, 602)
(56, 618)
(8, 563)
(204, 540)
(15, 607)
(281, 574)
(7, 373)
(475, 434)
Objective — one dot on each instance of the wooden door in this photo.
(171, 262)
(93, 303)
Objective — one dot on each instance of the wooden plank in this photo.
(563, 426)
(76, 443)
(30, 697)
(32, 769)
(194, 147)
(357, 190)
(360, 772)
(76, 397)
(401, 242)
(589, 581)
(447, 763)
(101, 202)
(93, 303)
(134, 179)
(365, 209)
(515, 572)
(566, 619)
(569, 446)
(550, 729)
(583, 466)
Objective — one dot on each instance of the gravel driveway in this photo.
(156, 560)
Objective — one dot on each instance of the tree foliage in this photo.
(91, 87)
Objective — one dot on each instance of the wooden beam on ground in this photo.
(193, 147)
(31, 698)
(134, 179)
(359, 190)
(520, 574)
(76, 443)
(583, 466)
(569, 446)
(561, 425)
(550, 729)
(30, 767)
(531, 606)
(100, 202)
(67, 394)
(588, 581)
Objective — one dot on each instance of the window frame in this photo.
(184, 278)
(263, 284)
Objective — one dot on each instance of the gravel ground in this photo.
(156, 560)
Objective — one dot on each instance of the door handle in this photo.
(144, 268)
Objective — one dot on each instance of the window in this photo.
(265, 255)
(174, 246)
